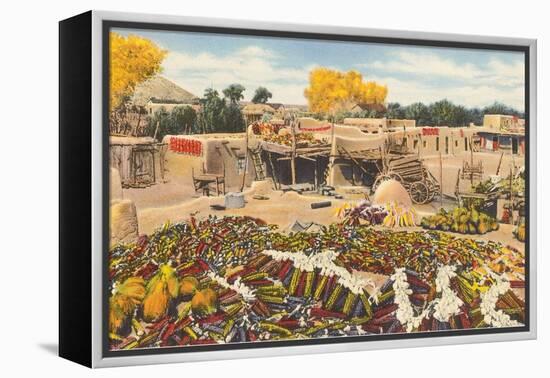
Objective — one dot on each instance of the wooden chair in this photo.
(204, 181)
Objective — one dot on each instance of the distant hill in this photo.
(161, 90)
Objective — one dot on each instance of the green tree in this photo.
(475, 115)
(234, 93)
(442, 113)
(499, 108)
(419, 112)
(496, 108)
(460, 117)
(261, 96)
(181, 120)
(211, 118)
(184, 119)
(395, 111)
(160, 121)
(233, 118)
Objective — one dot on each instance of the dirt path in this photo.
(282, 209)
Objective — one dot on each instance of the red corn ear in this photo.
(322, 313)
(385, 310)
(167, 332)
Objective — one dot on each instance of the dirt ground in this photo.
(452, 163)
(175, 200)
(282, 209)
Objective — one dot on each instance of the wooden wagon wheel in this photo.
(419, 192)
(384, 177)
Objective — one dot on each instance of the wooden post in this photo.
(316, 178)
(511, 196)
(293, 153)
(499, 163)
(471, 166)
(440, 180)
(457, 188)
(332, 157)
(245, 156)
(156, 130)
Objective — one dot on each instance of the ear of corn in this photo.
(160, 289)
(189, 285)
(124, 300)
(204, 302)
(399, 216)
(519, 232)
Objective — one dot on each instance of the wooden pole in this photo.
(440, 180)
(332, 157)
(156, 130)
(245, 156)
(511, 197)
(293, 153)
(471, 166)
(457, 187)
(316, 178)
(512, 173)
(499, 163)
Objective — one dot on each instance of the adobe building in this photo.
(503, 133)
(378, 125)
(139, 160)
(221, 155)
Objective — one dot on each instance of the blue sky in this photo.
(468, 77)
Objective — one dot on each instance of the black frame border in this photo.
(106, 27)
(75, 189)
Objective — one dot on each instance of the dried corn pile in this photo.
(382, 251)
(236, 279)
(423, 303)
(363, 214)
(285, 139)
(217, 242)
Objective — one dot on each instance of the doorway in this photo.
(514, 146)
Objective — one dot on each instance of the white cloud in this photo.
(431, 65)
(409, 91)
(251, 66)
(425, 64)
(428, 77)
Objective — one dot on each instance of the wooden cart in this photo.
(409, 170)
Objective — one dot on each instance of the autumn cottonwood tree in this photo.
(132, 60)
(331, 91)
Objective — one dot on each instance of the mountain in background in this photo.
(161, 90)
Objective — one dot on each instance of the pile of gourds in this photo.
(462, 220)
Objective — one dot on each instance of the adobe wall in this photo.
(223, 154)
(216, 153)
(426, 142)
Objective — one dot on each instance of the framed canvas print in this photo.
(232, 189)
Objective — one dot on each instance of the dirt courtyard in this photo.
(175, 200)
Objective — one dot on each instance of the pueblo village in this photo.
(347, 215)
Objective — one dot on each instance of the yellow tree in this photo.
(132, 60)
(331, 90)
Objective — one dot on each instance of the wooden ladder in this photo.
(256, 156)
